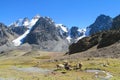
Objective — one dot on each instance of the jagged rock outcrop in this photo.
(83, 44)
(102, 23)
(6, 37)
(108, 38)
(20, 26)
(63, 30)
(44, 36)
(76, 34)
(5, 34)
(102, 39)
(18, 30)
(42, 31)
(116, 23)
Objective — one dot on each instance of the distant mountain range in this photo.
(44, 34)
(72, 35)
(104, 37)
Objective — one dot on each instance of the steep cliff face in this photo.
(116, 23)
(83, 44)
(102, 23)
(18, 30)
(76, 34)
(5, 34)
(42, 31)
(63, 30)
(45, 36)
(101, 39)
(6, 37)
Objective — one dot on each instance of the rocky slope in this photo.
(63, 30)
(44, 36)
(44, 32)
(116, 23)
(5, 34)
(6, 37)
(112, 51)
(76, 34)
(101, 39)
(102, 23)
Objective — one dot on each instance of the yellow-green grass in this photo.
(106, 64)
(70, 75)
(43, 57)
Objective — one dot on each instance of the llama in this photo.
(60, 66)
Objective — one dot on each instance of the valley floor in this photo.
(38, 65)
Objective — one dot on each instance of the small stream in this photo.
(33, 69)
(100, 75)
(7, 79)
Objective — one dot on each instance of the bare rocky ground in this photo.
(112, 51)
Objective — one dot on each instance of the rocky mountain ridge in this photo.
(44, 34)
(20, 27)
(100, 39)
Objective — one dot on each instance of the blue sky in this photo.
(80, 13)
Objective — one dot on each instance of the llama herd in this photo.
(66, 65)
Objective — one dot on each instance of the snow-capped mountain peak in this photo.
(62, 27)
(25, 22)
(36, 17)
(83, 32)
(18, 41)
(76, 34)
(72, 35)
(17, 23)
(33, 21)
(69, 39)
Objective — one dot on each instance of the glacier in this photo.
(62, 27)
(19, 40)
